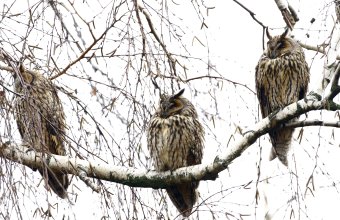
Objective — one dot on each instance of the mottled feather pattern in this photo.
(176, 141)
(41, 122)
(337, 10)
(282, 78)
(172, 142)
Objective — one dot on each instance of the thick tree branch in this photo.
(296, 124)
(331, 65)
(138, 178)
(288, 13)
(319, 49)
(335, 87)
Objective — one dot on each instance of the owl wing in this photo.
(194, 155)
(304, 87)
(261, 89)
(51, 116)
(20, 125)
(28, 119)
(54, 125)
(184, 195)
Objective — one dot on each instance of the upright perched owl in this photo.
(41, 122)
(175, 139)
(282, 77)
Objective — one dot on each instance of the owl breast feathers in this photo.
(175, 139)
(41, 122)
(282, 77)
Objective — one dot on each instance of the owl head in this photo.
(24, 77)
(175, 104)
(280, 45)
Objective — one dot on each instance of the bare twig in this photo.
(144, 53)
(85, 52)
(288, 13)
(172, 61)
(80, 57)
(7, 68)
(10, 69)
(319, 49)
(252, 14)
(210, 77)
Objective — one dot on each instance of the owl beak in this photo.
(272, 54)
(164, 114)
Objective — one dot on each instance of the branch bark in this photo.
(297, 124)
(137, 178)
(288, 13)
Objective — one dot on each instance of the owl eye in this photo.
(170, 105)
(280, 45)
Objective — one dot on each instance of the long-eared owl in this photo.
(282, 77)
(337, 10)
(175, 139)
(41, 122)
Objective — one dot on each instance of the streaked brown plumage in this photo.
(175, 139)
(337, 10)
(282, 77)
(41, 122)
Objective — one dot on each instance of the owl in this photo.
(337, 10)
(41, 122)
(281, 78)
(175, 139)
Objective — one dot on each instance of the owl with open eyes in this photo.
(175, 139)
(281, 78)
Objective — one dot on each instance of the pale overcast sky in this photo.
(232, 43)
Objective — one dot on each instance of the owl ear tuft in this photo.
(178, 94)
(285, 34)
(21, 67)
(268, 34)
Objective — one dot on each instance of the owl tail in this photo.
(183, 196)
(281, 140)
(57, 181)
